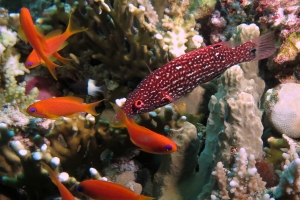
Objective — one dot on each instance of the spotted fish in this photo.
(181, 75)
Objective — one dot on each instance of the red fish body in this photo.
(98, 189)
(181, 75)
(54, 108)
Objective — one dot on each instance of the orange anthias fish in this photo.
(98, 189)
(142, 137)
(36, 40)
(54, 108)
(55, 42)
(64, 192)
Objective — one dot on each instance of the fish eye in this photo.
(29, 64)
(79, 189)
(168, 147)
(32, 110)
(138, 103)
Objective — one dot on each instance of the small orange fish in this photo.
(64, 192)
(55, 42)
(142, 137)
(98, 189)
(54, 108)
(35, 39)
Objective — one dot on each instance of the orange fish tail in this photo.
(121, 119)
(91, 107)
(51, 173)
(142, 197)
(72, 29)
(265, 45)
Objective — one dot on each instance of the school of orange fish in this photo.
(170, 82)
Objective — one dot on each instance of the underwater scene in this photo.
(149, 99)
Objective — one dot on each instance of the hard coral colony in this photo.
(220, 137)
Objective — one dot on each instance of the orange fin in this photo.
(76, 99)
(72, 29)
(51, 173)
(120, 119)
(90, 108)
(22, 35)
(53, 34)
(63, 60)
(51, 67)
(63, 45)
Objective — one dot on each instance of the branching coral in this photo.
(242, 182)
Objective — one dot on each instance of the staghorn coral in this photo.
(242, 182)
(289, 177)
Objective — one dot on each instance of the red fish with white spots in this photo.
(181, 75)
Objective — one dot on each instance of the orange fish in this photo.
(98, 189)
(64, 192)
(36, 40)
(142, 137)
(54, 108)
(55, 42)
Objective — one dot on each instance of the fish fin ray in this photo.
(120, 120)
(90, 108)
(76, 99)
(51, 67)
(266, 45)
(52, 175)
(22, 35)
(72, 29)
(53, 34)
(63, 60)
(63, 45)
(231, 43)
(93, 90)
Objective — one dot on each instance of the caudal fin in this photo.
(266, 45)
(72, 28)
(91, 107)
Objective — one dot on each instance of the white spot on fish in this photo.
(217, 54)
(178, 67)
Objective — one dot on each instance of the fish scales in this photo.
(181, 75)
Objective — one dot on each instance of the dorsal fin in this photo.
(148, 68)
(77, 99)
(53, 34)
